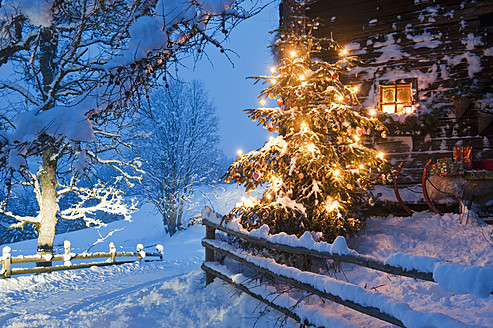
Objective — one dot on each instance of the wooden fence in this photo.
(214, 269)
(7, 260)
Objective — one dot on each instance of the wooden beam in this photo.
(484, 121)
(243, 288)
(358, 259)
(60, 257)
(65, 267)
(210, 233)
(461, 105)
(371, 311)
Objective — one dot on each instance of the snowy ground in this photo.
(171, 293)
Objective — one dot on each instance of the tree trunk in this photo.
(48, 206)
(186, 188)
(180, 212)
(171, 208)
(171, 218)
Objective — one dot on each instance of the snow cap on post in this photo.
(67, 256)
(140, 251)
(6, 252)
(160, 249)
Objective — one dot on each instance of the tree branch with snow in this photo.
(74, 73)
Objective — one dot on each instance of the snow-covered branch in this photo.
(76, 74)
(109, 200)
(118, 165)
(22, 220)
(23, 91)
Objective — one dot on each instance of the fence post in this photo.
(112, 252)
(140, 251)
(7, 261)
(210, 233)
(67, 257)
(160, 250)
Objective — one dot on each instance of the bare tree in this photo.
(181, 149)
(71, 71)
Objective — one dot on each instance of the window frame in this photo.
(407, 106)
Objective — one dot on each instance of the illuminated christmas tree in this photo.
(317, 170)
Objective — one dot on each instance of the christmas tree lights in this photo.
(317, 171)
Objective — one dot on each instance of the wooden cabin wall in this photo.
(436, 43)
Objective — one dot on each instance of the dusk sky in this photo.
(228, 86)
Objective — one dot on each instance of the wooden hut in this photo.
(427, 71)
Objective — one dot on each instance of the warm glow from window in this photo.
(396, 98)
(409, 109)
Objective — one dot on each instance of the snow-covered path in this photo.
(71, 297)
(159, 294)
(168, 293)
(172, 293)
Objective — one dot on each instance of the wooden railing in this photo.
(277, 272)
(7, 260)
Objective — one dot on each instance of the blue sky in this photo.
(228, 86)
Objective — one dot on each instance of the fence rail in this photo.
(361, 260)
(303, 280)
(7, 260)
(220, 247)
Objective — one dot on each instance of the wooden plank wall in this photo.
(437, 43)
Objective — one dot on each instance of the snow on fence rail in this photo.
(7, 260)
(449, 276)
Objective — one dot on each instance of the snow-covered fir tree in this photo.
(317, 170)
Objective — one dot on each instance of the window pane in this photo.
(404, 94)
(388, 108)
(405, 108)
(388, 95)
(408, 109)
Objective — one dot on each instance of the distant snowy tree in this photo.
(181, 149)
(71, 71)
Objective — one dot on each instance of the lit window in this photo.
(396, 98)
